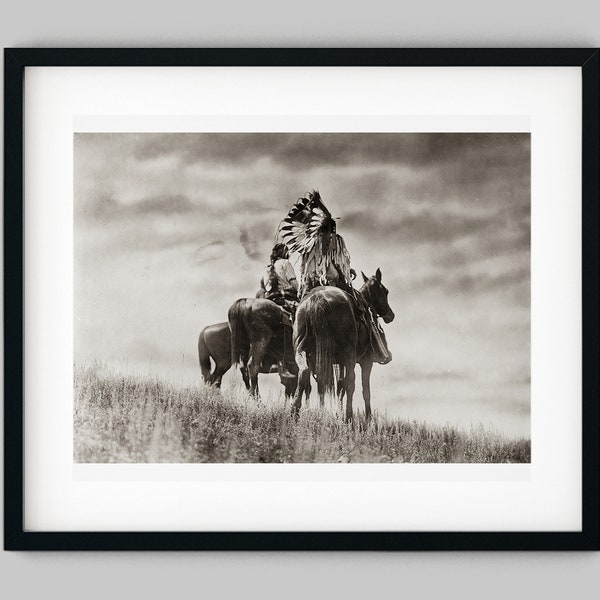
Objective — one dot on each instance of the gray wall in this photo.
(302, 23)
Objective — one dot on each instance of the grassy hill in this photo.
(120, 418)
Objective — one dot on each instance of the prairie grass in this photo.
(129, 419)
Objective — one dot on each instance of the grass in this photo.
(125, 419)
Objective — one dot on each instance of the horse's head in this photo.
(376, 295)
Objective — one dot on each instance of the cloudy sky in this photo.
(170, 229)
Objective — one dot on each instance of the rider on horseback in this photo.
(310, 230)
(279, 283)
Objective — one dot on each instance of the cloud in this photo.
(469, 283)
(249, 245)
(423, 226)
(107, 206)
(412, 373)
(305, 150)
(210, 245)
(162, 204)
(472, 277)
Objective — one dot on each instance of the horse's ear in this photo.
(364, 276)
(378, 275)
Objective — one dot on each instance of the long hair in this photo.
(279, 251)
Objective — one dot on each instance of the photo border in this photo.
(15, 62)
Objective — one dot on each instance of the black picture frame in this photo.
(16, 538)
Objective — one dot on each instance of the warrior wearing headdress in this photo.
(310, 230)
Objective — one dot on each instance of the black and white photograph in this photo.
(302, 297)
(172, 168)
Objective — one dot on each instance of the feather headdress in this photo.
(309, 229)
(307, 221)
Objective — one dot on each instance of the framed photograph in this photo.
(301, 299)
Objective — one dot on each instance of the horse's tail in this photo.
(317, 325)
(204, 357)
(240, 343)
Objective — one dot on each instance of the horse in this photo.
(214, 342)
(261, 336)
(329, 329)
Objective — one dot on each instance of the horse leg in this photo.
(321, 391)
(303, 382)
(218, 373)
(244, 372)
(257, 353)
(349, 384)
(290, 388)
(340, 387)
(365, 375)
(292, 368)
(289, 381)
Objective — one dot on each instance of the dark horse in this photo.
(330, 329)
(261, 336)
(214, 342)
